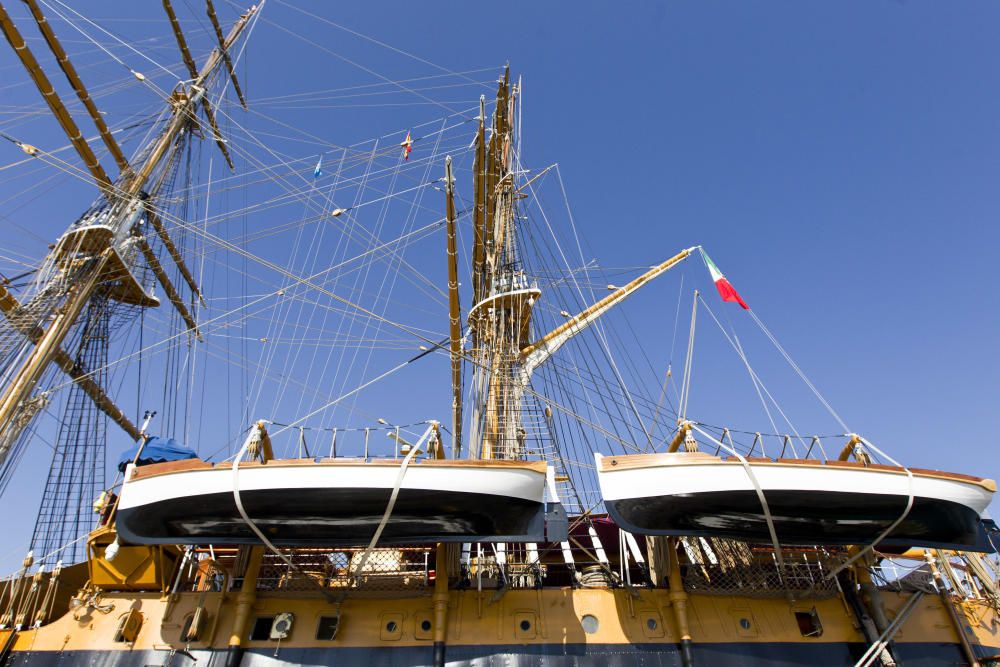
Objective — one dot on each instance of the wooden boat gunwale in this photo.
(638, 461)
(196, 465)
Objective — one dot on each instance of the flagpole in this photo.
(688, 361)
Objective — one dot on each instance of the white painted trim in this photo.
(695, 478)
(525, 484)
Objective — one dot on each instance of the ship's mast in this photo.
(454, 312)
(503, 355)
(97, 254)
(502, 299)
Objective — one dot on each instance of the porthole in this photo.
(525, 624)
(425, 625)
(745, 623)
(590, 624)
(652, 627)
(391, 626)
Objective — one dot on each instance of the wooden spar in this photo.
(168, 287)
(161, 231)
(183, 111)
(454, 314)
(225, 51)
(154, 219)
(56, 105)
(74, 80)
(181, 42)
(64, 361)
(544, 347)
(216, 133)
(193, 71)
(479, 207)
(79, 293)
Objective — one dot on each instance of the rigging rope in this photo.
(798, 371)
(254, 438)
(758, 383)
(760, 495)
(392, 500)
(885, 533)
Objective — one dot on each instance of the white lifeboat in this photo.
(333, 502)
(810, 502)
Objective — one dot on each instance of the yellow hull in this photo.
(559, 626)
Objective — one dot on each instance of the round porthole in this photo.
(425, 625)
(525, 625)
(590, 624)
(651, 623)
(745, 623)
(391, 626)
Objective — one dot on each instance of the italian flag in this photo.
(726, 290)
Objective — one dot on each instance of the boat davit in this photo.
(810, 502)
(333, 501)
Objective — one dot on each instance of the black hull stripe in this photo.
(748, 654)
(807, 517)
(334, 517)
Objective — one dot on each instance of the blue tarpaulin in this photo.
(157, 450)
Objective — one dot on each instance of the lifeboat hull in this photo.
(837, 503)
(335, 503)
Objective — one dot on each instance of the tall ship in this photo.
(363, 400)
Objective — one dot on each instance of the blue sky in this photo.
(838, 160)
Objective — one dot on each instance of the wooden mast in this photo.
(184, 109)
(454, 313)
(498, 317)
(9, 307)
(22, 384)
(81, 276)
(479, 207)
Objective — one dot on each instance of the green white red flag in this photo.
(726, 289)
